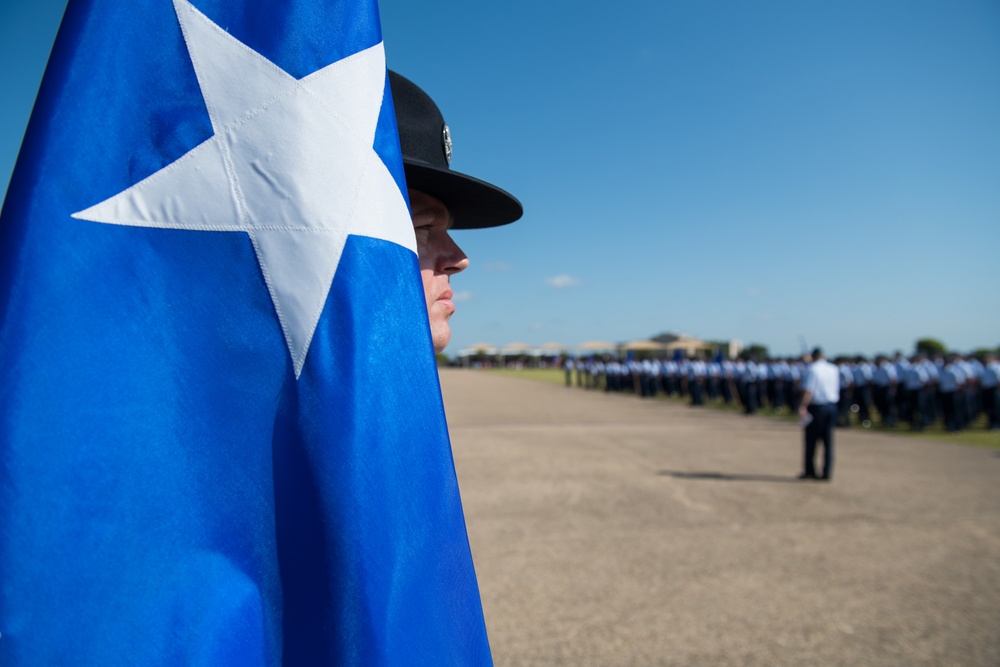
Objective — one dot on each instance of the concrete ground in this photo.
(609, 530)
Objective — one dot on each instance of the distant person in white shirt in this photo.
(818, 411)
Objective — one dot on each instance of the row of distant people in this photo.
(916, 390)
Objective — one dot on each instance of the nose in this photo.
(452, 259)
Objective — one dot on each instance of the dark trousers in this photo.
(918, 409)
(750, 397)
(779, 394)
(863, 398)
(824, 417)
(991, 407)
(888, 406)
(844, 407)
(726, 386)
(950, 407)
(970, 396)
(696, 391)
(903, 408)
(794, 395)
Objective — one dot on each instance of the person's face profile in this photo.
(440, 258)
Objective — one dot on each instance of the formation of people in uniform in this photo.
(918, 391)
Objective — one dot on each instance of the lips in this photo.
(445, 301)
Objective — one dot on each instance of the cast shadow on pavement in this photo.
(728, 477)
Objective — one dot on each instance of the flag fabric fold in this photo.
(221, 432)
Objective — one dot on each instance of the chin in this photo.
(439, 345)
(440, 336)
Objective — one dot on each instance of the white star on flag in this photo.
(291, 163)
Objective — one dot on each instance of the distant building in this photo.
(692, 345)
(689, 344)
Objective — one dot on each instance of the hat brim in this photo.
(473, 203)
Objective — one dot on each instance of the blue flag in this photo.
(222, 440)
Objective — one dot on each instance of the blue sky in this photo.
(773, 171)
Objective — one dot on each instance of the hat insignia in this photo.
(446, 138)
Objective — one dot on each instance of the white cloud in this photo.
(462, 296)
(562, 281)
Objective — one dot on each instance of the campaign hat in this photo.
(426, 144)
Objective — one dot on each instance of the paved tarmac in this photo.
(611, 531)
